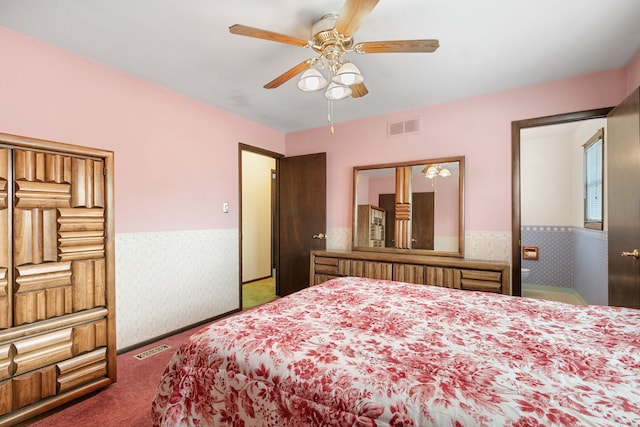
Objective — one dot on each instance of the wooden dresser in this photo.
(57, 275)
(458, 273)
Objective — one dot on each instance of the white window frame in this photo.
(594, 181)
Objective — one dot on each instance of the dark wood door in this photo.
(302, 215)
(623, 165)
(421, 219)
(388, 203)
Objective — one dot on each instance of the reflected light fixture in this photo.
(433, 171)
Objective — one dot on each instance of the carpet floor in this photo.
(258, 292)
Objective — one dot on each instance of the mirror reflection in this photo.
(410, 207)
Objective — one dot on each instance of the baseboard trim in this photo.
(257, 280)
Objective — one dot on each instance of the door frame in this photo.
(516, 127)
(274, 238)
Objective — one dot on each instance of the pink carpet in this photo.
(125, 403)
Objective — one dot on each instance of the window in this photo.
(594, 181)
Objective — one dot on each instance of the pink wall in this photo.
(478, 128)
(175, 158)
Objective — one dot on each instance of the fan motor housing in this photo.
(325, 38)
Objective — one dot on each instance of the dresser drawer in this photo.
(324, 265)
(480, 280)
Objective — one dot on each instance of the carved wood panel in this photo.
(5, 239)
(51, 363)
(408, 273)
(58, 225)
(42, 291)
(57, 326)
(444, 277)
(403, 208)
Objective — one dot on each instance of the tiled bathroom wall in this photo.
(569, 257)
(555, 255)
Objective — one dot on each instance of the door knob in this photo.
(320, 236)
(634, 254)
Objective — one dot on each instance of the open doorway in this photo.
(258, 225)
(548, 239)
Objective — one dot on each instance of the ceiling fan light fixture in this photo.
(311, 80)
(348, 74)
(430, 172)
(337, 91)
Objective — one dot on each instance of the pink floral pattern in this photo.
(364, 352)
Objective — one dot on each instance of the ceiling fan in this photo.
(331, 39)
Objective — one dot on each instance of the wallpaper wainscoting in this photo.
(482, 245)
(339, 239)
(591, 265)
(169, 280)
(488, 245)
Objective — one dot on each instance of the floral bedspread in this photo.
(362, 352)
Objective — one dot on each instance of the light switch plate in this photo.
(225, 207)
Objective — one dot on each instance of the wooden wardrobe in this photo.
(57, 275)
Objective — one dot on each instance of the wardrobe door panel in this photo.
(6, 397)
(57, 325)
(42, 167)
(81, 369)
(81, 233)
(88, 183)
(42, 291)
(36, 238)
(33, 387)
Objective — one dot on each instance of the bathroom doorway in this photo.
(570, 261)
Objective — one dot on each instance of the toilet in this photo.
(524, 273)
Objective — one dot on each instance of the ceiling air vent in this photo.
(403, 128)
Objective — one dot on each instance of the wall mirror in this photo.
(411, 207)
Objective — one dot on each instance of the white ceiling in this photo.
(485, 46)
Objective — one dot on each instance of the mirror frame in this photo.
(459, 253)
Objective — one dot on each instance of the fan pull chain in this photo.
(330, 114)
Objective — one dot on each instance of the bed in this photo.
(364, 352)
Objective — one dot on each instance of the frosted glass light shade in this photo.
(432, 171)
(348, 74)
(444, 172)
(311, 80)
(335, 91)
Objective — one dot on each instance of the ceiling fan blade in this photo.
(288, 75)
(352, 15)
(243, 30)
(397, 46)
(358, 90)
